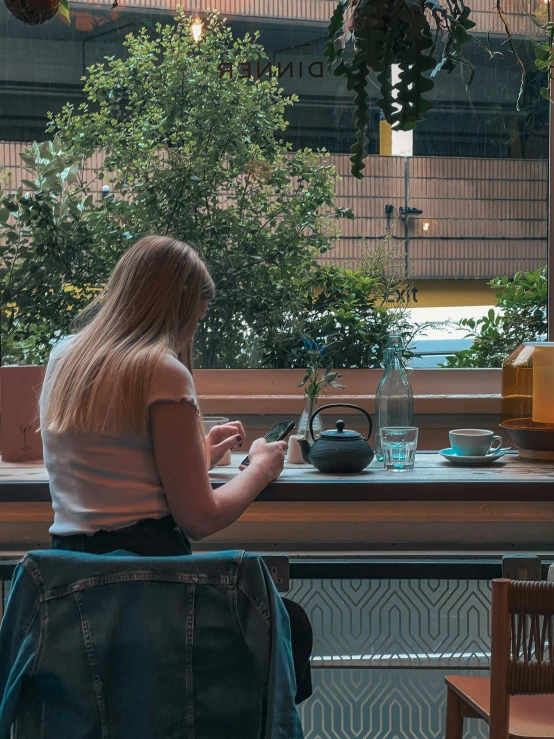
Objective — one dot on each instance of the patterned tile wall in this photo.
(380, 704)
(395, 624)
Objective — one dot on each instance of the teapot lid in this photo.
(340, 433)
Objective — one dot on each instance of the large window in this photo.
(465, 204)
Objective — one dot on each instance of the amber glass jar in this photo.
(517, 384)
(528, 399)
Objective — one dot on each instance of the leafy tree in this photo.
(522, 317)
(343, 310)
(191, 149)
(50, 259)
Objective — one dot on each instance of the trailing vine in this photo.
(544, 57)
(420, 38)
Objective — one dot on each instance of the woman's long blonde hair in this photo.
(151, 295)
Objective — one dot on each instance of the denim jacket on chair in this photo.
(125, 647)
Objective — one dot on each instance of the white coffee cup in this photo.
(474, 442)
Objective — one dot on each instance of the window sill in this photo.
(275, 392)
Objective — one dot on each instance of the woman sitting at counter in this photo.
(123, 442)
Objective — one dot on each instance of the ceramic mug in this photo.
(474, 442)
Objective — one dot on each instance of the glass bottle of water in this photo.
(394, 398)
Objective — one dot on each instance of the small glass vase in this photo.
(303, 426)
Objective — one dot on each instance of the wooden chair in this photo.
(518, 698)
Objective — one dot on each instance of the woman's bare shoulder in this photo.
(171, 381)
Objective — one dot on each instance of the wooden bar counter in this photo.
(437, 507)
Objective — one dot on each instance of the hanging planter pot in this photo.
(34, 12)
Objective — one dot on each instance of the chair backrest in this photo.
(522, 646)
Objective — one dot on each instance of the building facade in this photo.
(478, 166)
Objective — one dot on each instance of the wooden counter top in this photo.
(502, 507)
(433, 479)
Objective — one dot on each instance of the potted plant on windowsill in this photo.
(319, 376)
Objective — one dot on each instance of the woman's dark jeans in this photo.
(163, 538)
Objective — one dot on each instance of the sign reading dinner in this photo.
(257, 70)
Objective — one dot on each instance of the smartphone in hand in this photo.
(279, 432)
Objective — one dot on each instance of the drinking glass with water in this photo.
(399, 445)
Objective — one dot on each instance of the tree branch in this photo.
(514, 52)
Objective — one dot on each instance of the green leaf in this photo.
(360, 148)
(332, 51)
(30, 185)
(10, 205)
(542, 50)
(386, 101)
(70, 174)
(28, 159)
(63, 9)
(414, 63)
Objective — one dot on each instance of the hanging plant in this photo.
(421, 37)
(544, 57)
(34, 12)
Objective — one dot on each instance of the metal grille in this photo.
(375, 624)
(379, 704)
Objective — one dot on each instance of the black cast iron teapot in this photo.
(339, 450)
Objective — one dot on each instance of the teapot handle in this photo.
(340, 405)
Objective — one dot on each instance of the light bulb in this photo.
(196, 29)
(426, 226)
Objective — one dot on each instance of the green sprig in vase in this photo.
(318, 377)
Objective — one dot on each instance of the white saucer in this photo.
(481, 461)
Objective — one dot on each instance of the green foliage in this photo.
(63, 9)
(193, 153)
(544, 56)
(50, 261)
(319, 374)
(190, 150)
(420, 36)
(522, 317)
(26, 346)
(343, 310)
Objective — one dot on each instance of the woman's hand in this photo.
(220, 439)
(269, 458)
(180, 450)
